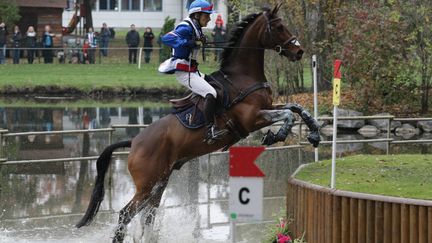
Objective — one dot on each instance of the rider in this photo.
(185, 40)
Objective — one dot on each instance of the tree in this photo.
(417, 14)
(374, 46)
(9, 12)
(165, 51)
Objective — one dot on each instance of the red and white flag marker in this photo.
(246, 186)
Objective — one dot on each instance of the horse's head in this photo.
(277, 36)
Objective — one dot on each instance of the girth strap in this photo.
(244, 93)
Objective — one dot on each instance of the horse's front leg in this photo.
(284, 112)
(269, 117)
(313, 125)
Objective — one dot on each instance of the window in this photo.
(108, 4)
(152, 5)
(130, 5)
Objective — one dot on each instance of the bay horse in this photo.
(166, 144)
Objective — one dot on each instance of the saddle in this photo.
(189, 110)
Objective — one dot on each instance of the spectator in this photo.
(61, 54)
(92, 42)
(218, 36)
(148, 43)
(86, 52)
(3, 34)
(47, 43)
(105, 34)
(76, 52)
(31, 44)
(16, 40)
(132, 40)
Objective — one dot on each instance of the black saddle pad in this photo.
(190, 117)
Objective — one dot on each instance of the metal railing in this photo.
(4, 133)
(388, 139)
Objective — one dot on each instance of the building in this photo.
(40, 13)
(142, 13)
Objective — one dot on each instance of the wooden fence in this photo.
(332, 216)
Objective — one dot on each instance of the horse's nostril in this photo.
(300, 54)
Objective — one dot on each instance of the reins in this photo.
(277, 48)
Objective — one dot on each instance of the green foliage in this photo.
(374, 47)
(418, 18)
(165, 52)
(9, 12)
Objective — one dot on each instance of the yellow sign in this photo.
(336, 91)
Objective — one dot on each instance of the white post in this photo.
(315, 84)
(232, 230)
(336, 101)
(139, 58)
(140, 115)
(333, 169)
(97, 116)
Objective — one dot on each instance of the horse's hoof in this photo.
(314, 138)
(268, 139)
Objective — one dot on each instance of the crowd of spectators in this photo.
(82, 49)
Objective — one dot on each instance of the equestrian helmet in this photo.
(199, 6)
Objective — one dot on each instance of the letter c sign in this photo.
(243, 201)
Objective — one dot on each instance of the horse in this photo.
(166, 144)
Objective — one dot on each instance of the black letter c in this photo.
(244, 189)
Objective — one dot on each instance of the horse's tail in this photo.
(102, 165)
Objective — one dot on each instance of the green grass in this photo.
(82, 102)
(394, 175)
(87, 77)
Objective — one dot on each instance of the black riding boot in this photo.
(211, 132)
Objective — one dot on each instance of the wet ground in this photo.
(43, 207)
(41, 202)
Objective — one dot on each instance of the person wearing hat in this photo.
(218, 36)
(3, 34)
(185, 40)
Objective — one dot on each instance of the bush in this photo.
(165, 52)
(9, 12)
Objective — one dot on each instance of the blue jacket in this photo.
(182, 40)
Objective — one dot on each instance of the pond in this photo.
(41, 202)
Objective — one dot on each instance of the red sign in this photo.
(336, 72)
(242, 161)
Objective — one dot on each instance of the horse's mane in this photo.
(236, 34)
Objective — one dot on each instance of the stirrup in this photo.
(212, 134)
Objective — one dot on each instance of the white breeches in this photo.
(197, 83)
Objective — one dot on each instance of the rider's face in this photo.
(203, 19)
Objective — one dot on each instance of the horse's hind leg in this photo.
(153, 204)
(138, 202)
(149, 215)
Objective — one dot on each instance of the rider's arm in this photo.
(182, 36)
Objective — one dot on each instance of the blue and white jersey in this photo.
(180, 39)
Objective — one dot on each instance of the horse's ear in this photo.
(276, 8)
